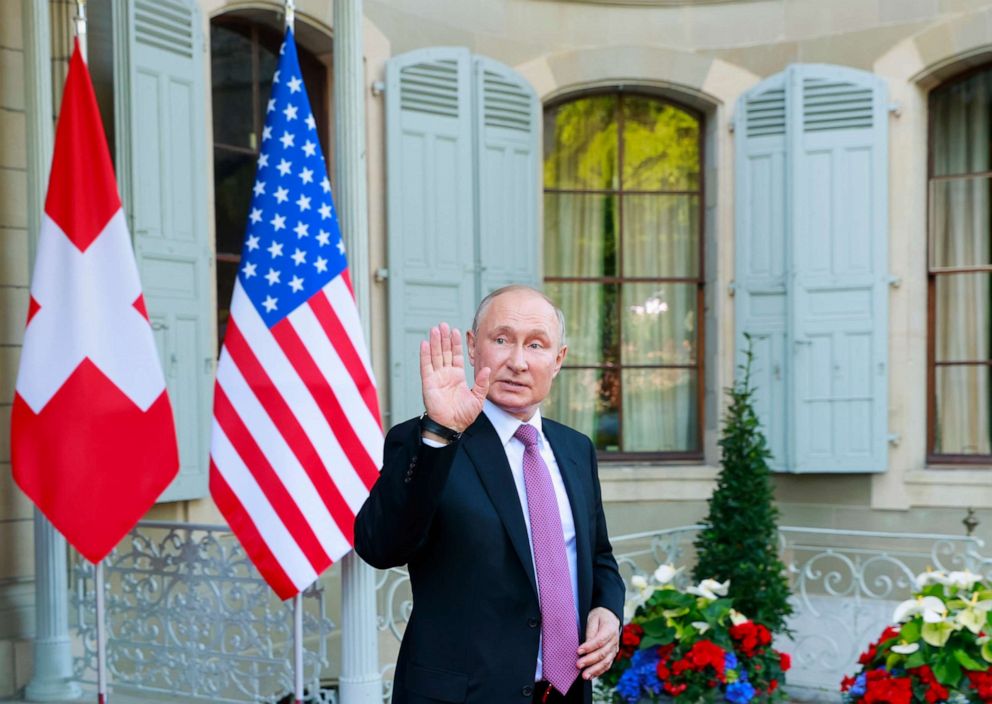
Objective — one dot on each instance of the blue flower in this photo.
(730, 662)
(858, 688)
(643, 657)
(740, 692)
(629, 686)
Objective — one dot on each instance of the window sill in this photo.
(950, 474)
(657, 482)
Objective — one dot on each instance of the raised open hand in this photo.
(447, 398)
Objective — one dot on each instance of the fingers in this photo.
(457, 358)
(481, 388)
(425, 360)
(599, 653)
(446, 344)
(437, 357)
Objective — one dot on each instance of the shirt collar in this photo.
(506, 425)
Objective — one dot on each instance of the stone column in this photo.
(361, 681)
(52, 677)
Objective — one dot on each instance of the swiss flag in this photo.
(93, 442)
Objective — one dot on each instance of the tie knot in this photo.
(527, 434)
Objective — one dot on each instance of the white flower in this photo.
(710, 589)
(925, 579)
(964, 579)
(701, 626)
(639, 583)
(905, 648)
(666, 573)
(737, 618)
(933, 609)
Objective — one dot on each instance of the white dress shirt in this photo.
(506, 425)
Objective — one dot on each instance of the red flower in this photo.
(982, 683)
(675, 689)
(630, 638)
(750, 636)
(846, 683)
(935, 691)
(706, 653)
(784, 661)
(882, 688)
(772, 686)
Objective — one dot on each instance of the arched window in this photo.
(244, 49)
(960, 271)
(623, 255)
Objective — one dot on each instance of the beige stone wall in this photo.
(16, 527)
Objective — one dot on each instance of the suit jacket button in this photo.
(406, 480)
(532, 622)
(527, 691)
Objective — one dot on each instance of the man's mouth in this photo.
(514, 384)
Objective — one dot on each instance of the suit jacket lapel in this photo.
(571, 476)
(482, 445)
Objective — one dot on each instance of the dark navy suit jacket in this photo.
(454, 516)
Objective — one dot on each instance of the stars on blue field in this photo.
(293, 246)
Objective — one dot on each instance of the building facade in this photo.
(676, 173)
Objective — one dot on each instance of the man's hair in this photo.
(484, 303)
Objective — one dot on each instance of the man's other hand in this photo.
(602, 643)
(447, 398)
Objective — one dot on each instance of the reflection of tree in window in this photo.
(623, 256)
(244, 53)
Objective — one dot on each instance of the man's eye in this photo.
(500, 340)
(536, 345)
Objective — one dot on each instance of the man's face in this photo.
(518, 339)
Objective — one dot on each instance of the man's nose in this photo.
(518, 359)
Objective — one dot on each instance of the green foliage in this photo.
(740, 539)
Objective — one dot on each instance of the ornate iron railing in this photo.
(845, 584)
(188, 616)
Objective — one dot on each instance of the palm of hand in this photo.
(447, 398)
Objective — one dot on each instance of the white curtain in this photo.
(962, 121)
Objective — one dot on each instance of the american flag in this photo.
(297, 437)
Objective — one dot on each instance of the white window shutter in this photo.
(431, 212)
(164, 148)
(509, 180)
(819, 317)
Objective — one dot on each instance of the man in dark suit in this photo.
(497, 511)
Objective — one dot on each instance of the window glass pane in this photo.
(961, 232)
(227, 273)
(590, 321)
(580, 144)
(587, 400)
(962, 119)
(234, 174)
(231, 87)
(963, 320)
(963, 418)
(659, 410)
(659, 323)
(660, 146)
(580, 235)
(661, 235)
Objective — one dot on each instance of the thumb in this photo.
(481, 387)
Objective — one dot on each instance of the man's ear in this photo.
(559, 360)
(470, 346)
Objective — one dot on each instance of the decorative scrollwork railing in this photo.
(188, 616)
(845, 584)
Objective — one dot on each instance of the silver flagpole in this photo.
(298, 646)
(298, 599)
(101, 640)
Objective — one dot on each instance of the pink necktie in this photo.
(559, 631)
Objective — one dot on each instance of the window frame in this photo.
(257, 27)
(934, 458)
(699, 367)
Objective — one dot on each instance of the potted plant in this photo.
(937, 651)
(691, 645)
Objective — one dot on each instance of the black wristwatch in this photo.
(428, 424)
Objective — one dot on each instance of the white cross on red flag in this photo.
(93, 441)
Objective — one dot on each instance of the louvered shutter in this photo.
(761, 261)
(506, 118)
(431, 213)
(167, 204)
(838, 148)
(811, 264)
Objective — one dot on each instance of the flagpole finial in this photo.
(80, 21)
(290, 14)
